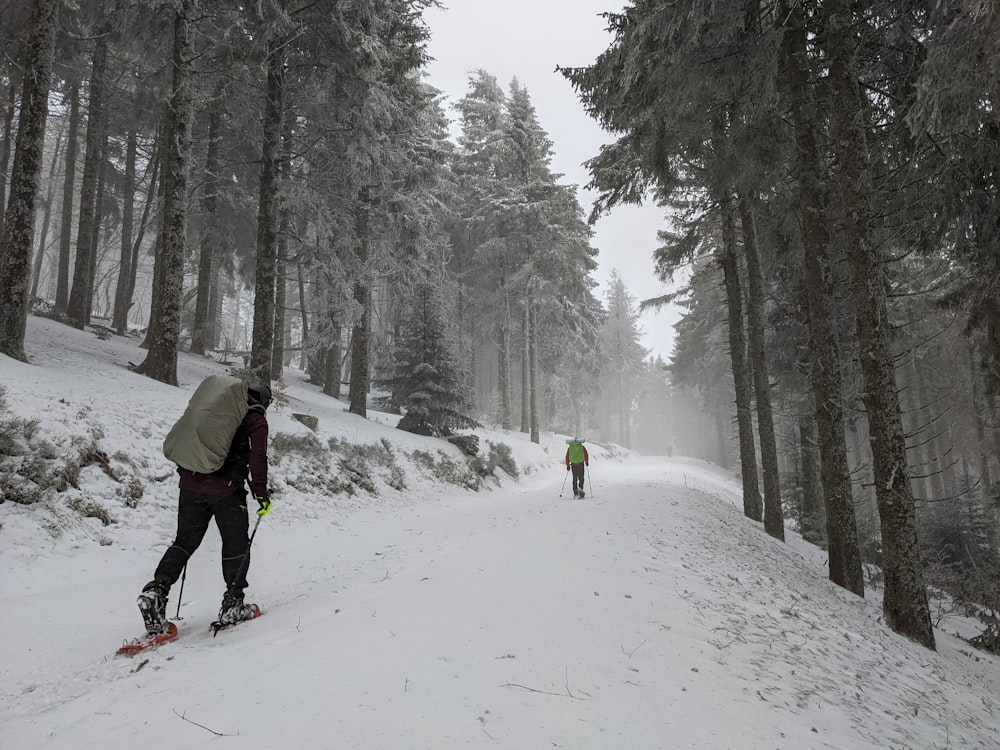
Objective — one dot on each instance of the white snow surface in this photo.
(651, 614)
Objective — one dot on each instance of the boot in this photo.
(233, 609)
(153, 606)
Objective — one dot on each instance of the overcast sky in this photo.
(527, 39)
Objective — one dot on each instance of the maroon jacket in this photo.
(247, 457)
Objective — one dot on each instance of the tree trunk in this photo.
(533, 378)
(774, 523)
(333, 360)
(359, 354)
(905, 603)
(69, 190)
(154, 191)
(358, 390)
(119, 320)
(210, 235)
(43, 236)
(825, 366)
(8, 137)
(168, 273)
(284, 230)
(812, 510)
(76, 309)
(95, 229)
(304, 343)
(267, 236)
(17, 236)
(977, 406)
(721, 438)
(216, 296)
(752, 507)
(503, 365)
(525, 373)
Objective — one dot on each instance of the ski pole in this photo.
(180, 596)
(563, 484)
(589, 485)
(246, 558)
(245, 563)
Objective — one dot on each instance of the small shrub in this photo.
(502, 457)
(67, 475)
(90, 509)
(446, 469)
(397, 479)
(357, 474)
(307, 446)
(47, 451)
(131, 493)
(19, 490)
(468, 444)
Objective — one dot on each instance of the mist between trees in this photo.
(275, 186)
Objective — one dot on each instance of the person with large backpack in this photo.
(576, 459)
(219, 445)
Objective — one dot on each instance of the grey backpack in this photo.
(199, 441)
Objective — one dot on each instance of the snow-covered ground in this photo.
(650, 615)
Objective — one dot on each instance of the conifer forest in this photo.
(274, 183)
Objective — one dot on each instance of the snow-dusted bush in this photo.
(447, 469)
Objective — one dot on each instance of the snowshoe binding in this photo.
(234, 611)
(153, 608)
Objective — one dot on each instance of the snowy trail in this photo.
(511, 619)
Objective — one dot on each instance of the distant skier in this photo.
(576, 458)
(221, 494)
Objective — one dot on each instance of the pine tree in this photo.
(426, 382)
(623, 357)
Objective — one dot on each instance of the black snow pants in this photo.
(577, 478)
(194, 511)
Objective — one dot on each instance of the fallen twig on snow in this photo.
(217, 734)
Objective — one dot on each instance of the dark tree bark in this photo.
(216, 296)
(284, 228)
(17, 236)
(304, 344)
(267, 245)
(774, 523)
(77, 309)
(752, 506)
(168, 273)
(526, 373)
(533, 378)
(503, 365)
(359, 353)
(8, 138)
(812, 509)
(825, 370)
(95, 229)
(119, 320)
(905, 602)
(69, 190)
(210, 233)
(360, 333)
